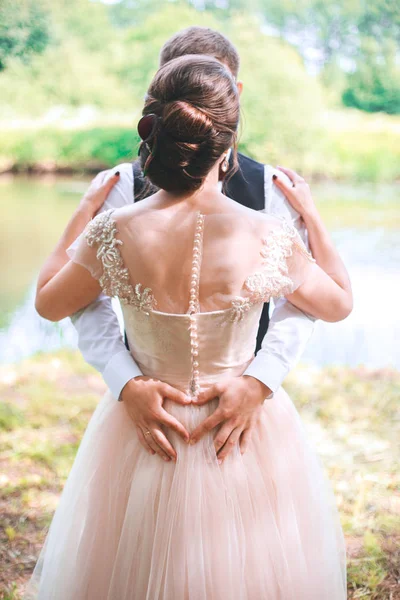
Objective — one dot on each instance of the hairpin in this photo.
(147, 127)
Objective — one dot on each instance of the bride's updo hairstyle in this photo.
(195, 106)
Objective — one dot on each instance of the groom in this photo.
(281, 337)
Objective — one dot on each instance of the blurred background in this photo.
(322, 96)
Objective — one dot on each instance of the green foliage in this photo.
(281, 102)
(368, 572)
(91, 79)
(339, 32)
(375, 84)
(280, 105)
(74, 149)
(10, 417)
(24, 29)
(349, 147)
(142, 44)
(335, 29)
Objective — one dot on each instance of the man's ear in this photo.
(239, 86)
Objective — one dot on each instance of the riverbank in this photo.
(352, 416)
(352, 146)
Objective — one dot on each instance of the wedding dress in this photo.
(130, 526)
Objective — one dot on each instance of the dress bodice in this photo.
(191, 351)
(194, 347)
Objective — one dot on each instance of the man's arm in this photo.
(99, 334)
(101, 344)
(289, 328)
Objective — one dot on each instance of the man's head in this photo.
(202, 40)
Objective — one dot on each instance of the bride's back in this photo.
(192, 283)
(191, 267)
(166, 248)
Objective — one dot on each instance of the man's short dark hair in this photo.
(201, 40)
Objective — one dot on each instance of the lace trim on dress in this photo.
(115, 278)
(272, 280)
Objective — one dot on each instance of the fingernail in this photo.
(117, 173)
(274, 176)
(166, 458)
(192, 441)
(220, 461)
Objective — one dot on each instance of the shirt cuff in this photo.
(120, 369)
(268, 369)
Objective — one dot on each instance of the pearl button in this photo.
(194, 301)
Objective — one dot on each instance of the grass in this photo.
(66, 150)
(352, 146)
(352, 415)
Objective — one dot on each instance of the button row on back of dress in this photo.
(194, 303)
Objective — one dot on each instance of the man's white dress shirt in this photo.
(99, 334)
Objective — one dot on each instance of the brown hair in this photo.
(197, 102)
(201, 40)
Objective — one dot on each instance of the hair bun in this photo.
(197, 101)
(185, 121)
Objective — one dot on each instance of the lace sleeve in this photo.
(96, 249)
(299, 261)
(285, 266)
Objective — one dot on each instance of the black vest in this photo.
(246, 186)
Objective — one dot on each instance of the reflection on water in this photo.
(368, 336)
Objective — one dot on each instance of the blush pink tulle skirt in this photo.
(129, 526)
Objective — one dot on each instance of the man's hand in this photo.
(143, 398)
(97, 192)
(239, 408)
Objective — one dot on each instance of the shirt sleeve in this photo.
(276, 202)
(99, 331)
(101, 344)
(80, 251)
(290, 329)
(287, 336)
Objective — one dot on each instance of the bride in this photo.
(192, 269)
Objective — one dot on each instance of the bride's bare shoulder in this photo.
(256, 221)
(125, 214)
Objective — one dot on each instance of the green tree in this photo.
(375, 84)
(24, 29)
(281, 101)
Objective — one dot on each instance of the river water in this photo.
(364, 222)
